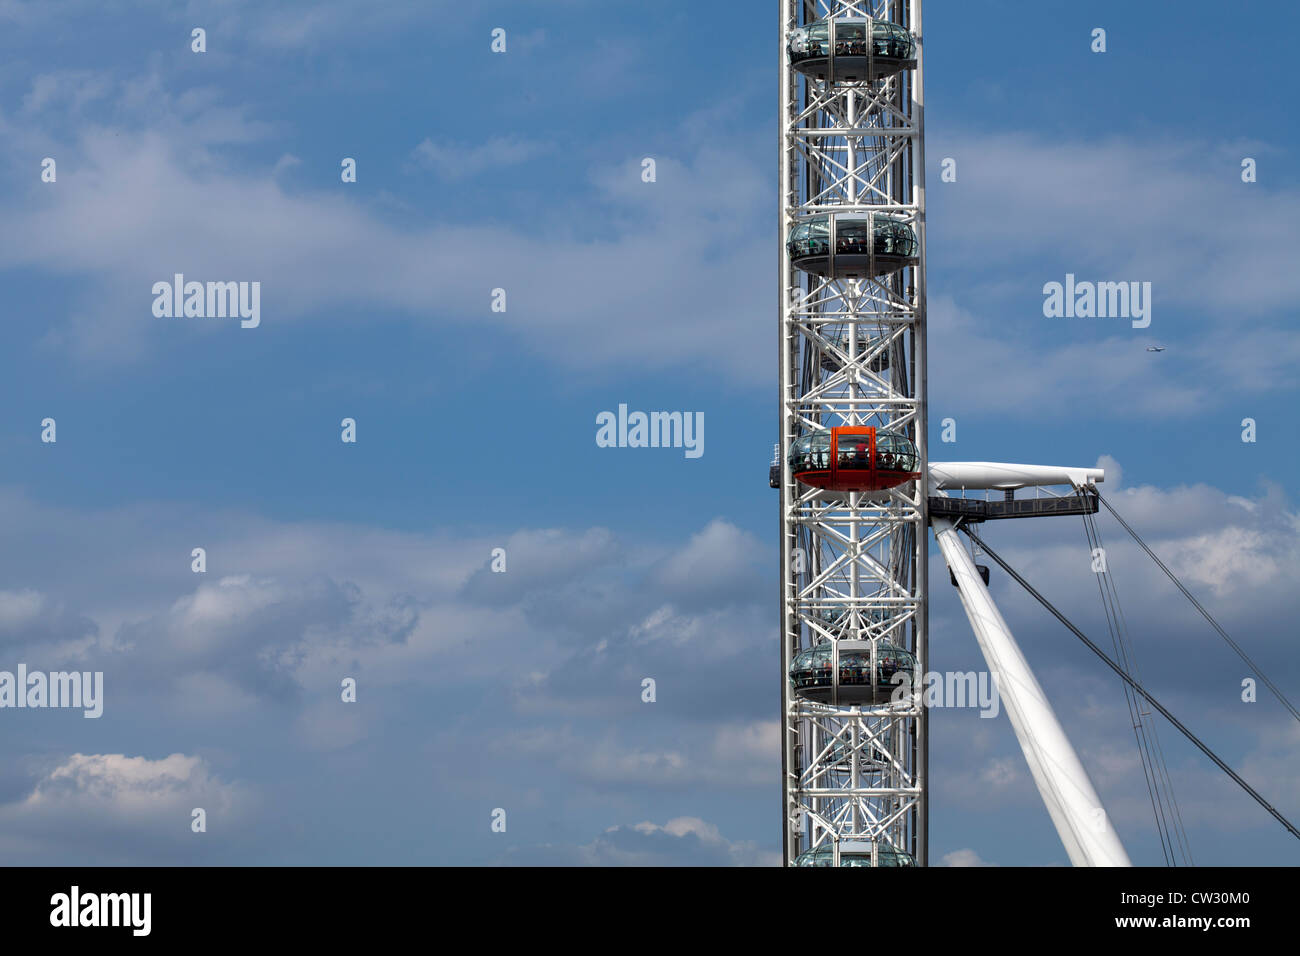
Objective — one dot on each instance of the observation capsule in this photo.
(853, 458)
(858, 679)
(852, 245)
(838, 49)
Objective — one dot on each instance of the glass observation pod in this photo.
(853, 458)
(814, 675)
(852, 245)
(837, 49)
(867, 343)
(855, 853)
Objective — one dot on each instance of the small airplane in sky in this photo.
(1155, 348)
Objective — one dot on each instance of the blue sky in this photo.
(476, 429)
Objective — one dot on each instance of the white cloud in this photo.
(682, 841)
(734, 755)
(289, 25)
(1027, 209)
(69, 90)
(965, 857)
(111, 808)
(1119, 209)
(156, 195)
(129, 787)
(284, 163)
(538, 558)
(32, 621)
(459, 161)
(719, 562)
(1239, 561)
(19, 608)
(1110, 375)
(1114, 473)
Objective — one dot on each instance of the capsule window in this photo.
(852, 37)
(854, 228)
(811, 452)
(855, 451)
(895, 452)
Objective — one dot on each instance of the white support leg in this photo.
(1075, 808)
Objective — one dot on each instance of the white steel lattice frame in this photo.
(852, 352)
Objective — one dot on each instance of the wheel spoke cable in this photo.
(1134, 684)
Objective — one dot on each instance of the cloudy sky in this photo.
(476, 429)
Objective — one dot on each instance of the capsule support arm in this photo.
(1005, 476)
